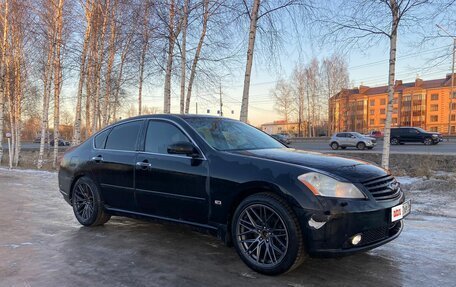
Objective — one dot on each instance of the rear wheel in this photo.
(334, 145)
(361, 145)
(87, 205)
(267, 234)
(394, 141)
(428, 141)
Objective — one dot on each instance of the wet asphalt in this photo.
(41, 244)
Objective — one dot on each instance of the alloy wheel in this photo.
(262, 235)
(83, 200)
(428, 141)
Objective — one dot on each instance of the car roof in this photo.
(173, 116)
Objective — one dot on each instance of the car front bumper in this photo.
(330, 234)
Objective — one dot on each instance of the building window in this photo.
(372, 103)
(394, 101)
(434, 119)
(395, 111)
(453, 129)
(454, 95)
(434, 108)
(453, 106)
(453, 117)
(372, 112)
(394, 120)
(382, 111)
(382, 102)
(382, 121)
(434, 97)
(371, 122)
(434, 129)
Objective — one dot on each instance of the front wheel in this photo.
(87, 205)
(267, 234)
(428, 141)
(361, 145)
(334, 145)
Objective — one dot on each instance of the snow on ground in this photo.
(435, 195)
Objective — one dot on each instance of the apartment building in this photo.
(422, 103)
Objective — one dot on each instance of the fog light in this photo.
(356, 239)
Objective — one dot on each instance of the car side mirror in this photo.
(184, 148)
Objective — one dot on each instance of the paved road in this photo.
(323, 146)
(411, 148)
(41, 244)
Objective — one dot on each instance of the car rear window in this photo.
(100, 139)
(124, 136)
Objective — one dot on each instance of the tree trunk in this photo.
(248, 66)
(82, 75)
(197, 55)
(123, 56)
(392, 74)
(111, 55)
(45, 112)
(183, 57)
(169, 62)
(57, 81)
(143, 55)
(3, 76)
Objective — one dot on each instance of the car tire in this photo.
(88, 207)
(428, 141)
(334, 145)
(394, 141)
(361, 146)
(265, 223)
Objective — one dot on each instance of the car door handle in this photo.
(143, 164)
(97, 158)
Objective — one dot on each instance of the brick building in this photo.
(424, 104)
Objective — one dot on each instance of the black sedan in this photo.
(276, 205)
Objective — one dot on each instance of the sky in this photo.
(369, 67)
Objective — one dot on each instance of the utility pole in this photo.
(452, 79)
(221, 103)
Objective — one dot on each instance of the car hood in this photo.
(350, 169)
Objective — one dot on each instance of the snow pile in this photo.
(435, 195)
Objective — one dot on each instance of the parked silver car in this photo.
(351, 139)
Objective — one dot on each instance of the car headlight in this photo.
(327, 186)
(434, 136)
(369, 142)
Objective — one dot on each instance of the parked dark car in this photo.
(276, 205)
(410, 134)
(282, 138)
(61, 142)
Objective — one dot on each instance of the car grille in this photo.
(374, 141)
(383, 188)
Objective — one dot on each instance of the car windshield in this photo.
(421, 130)
(358, 135)
(226, 134)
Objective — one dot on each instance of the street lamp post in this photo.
(452, 79)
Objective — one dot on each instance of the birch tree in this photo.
(283, 95)
(57, 77)
(172, 34)
(3, 71)
(196, 58)
(274, 12)
(372, 22)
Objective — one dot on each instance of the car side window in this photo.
(160, 135)
(341, 135)
(100, 139)
(124, 136)
(414, 131)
